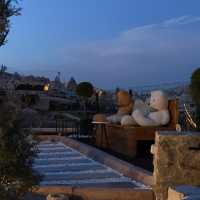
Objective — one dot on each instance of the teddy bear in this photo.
(158, 115)
(128, 120)
(125, 106)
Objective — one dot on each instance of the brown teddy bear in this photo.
(125, 106)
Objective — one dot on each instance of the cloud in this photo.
(155, 53)
(182, 20)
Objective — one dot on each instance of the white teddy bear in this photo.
(155, 115)
(159, 117)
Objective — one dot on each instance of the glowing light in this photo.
(100, 93)
(46, 87)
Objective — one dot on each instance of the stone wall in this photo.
(176, 161)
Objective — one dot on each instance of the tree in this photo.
(195, 92)
(7, 9)
(17, 151)
(85, 89)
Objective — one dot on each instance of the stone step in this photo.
(58, 155)
(64, 168)
(81, 176)
(84, 181)
(55, 165)
(72, 160)
(127, 184)
(50, 144)
(53, 150)
(77, 172)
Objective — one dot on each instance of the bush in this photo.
(17, 151)
(195, 92)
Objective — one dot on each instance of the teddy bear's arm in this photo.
(142, 120)
(128, 120)
(162, 117)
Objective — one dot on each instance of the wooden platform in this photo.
(124, 139)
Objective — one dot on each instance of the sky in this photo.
(124, 43)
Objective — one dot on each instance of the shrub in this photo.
(17, 151)
(195, 92)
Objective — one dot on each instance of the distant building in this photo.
(70, 87)
(57, 82)
(56, 87)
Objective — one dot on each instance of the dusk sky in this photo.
(111, 43)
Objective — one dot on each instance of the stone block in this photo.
(184, 193)
(176, 161)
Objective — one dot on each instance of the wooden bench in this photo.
(124, 139)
